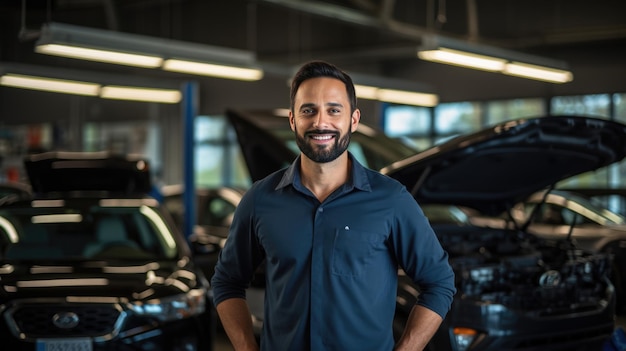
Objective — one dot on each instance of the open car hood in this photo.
(493, 169)
(263, 152)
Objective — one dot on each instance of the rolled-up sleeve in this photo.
(422, 257)
(240, 256)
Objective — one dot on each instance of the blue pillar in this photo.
(190, 111)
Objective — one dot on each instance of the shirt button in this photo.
(321, 209)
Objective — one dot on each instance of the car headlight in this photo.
(477, 280)
(464, 338)
(175, 307)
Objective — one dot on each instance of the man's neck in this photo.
(324, 178)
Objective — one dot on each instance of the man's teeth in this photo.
(322, 137)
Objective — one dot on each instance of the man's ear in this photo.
(292, 121)
(354, 120)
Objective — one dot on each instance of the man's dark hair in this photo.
(316, 69)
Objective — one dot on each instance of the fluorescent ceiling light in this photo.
(464, 59)
(537, 72)
(70, 86)
(366, 92)
(50, 84)
(408, 97)
(144, 51)
(461, 53)
(209, 69)
(141, 94)
(107, 56)
(396, 96)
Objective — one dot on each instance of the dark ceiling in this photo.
(359, 35)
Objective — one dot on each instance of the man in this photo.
(332, 235)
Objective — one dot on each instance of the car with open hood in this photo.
(518, 290)
(514, 290)
(92, 262)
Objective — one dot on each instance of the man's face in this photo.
(322, 120)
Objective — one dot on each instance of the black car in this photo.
(91, 262)
(515, 291)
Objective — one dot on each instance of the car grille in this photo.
(36, 320)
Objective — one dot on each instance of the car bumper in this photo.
(188, 334)
(499, 328)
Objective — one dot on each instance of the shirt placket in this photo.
(317, 281)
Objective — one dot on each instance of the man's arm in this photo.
(237, 322)
(420, 328)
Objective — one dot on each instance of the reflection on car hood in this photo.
(493, 169)
(131, 282)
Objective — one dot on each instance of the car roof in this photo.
(63, 172)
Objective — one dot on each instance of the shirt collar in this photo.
(358, 176)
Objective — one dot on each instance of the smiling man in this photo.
(332, 235)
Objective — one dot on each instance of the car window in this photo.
(78, 233)
(556, 215)
(551, 214)
(218, 212)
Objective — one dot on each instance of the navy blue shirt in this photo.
(331, 267)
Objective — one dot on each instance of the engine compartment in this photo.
(521, 271)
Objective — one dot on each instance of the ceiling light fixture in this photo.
(148, 52)
(98, 55)
(526, 70)
(50, 84)
(141, 94)
(208, 69)
(65, 81)
(439, 49)
(393, 90)
(396, 96)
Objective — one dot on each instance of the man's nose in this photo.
(321, 120)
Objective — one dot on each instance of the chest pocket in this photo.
(356, 251)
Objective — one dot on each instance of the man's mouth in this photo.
(322, 137)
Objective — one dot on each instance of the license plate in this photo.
(73, 344)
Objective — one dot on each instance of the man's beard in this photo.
(324, 153)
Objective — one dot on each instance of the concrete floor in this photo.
(223, 344)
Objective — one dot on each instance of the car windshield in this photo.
(89, 230)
